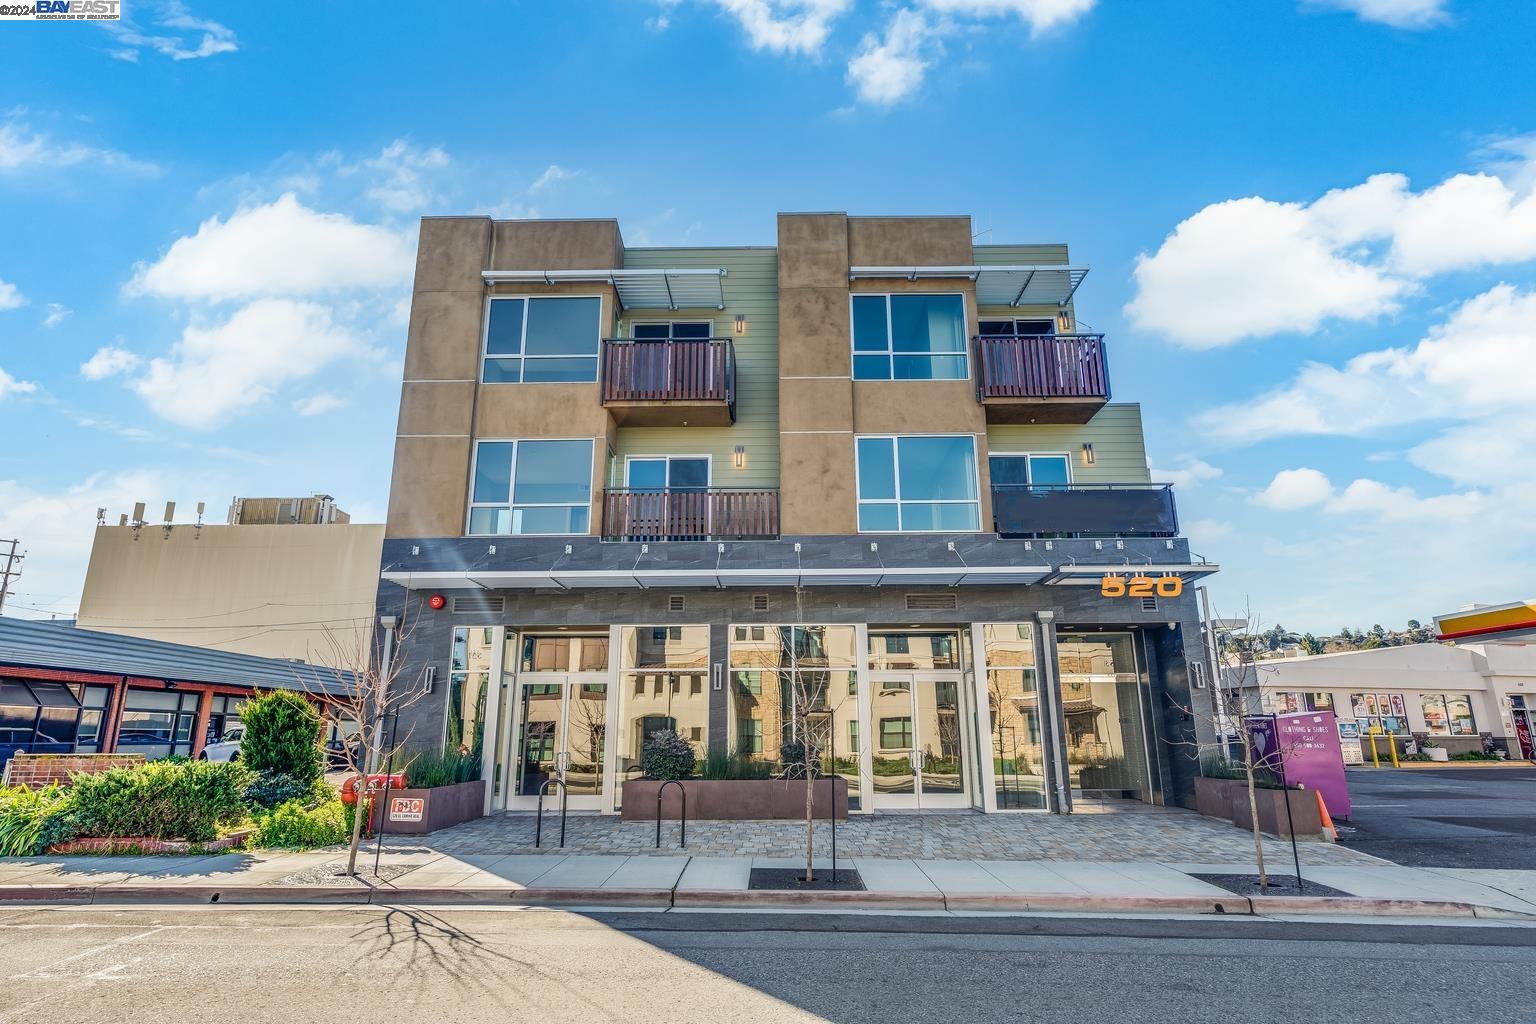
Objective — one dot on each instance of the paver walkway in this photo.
(1149, 834)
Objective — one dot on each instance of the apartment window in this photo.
(918, 484)
(1010, 470)
(895, 734)
(1016, 328)
(531, 487)
(853, 736)
(542, 340)
(685, 330)
(749, 735)
(909, 337)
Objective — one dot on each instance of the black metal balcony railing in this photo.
(1041, 366)
(1107, 510)
(718, 513)
(702, 370)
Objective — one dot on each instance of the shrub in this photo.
(271, 789)
(792, 756)
(1474, 755)
(291, 825)
(160, 800)
(666, 755)
(720, 765)
(282, 736)
(428, 771)
(25, 815)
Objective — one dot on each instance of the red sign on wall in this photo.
(406, 808)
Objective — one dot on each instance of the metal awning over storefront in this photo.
(1003, 285)
(555, 579)
(1091, 575)
(683, 288)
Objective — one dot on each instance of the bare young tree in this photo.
(1235, 654)
(364, 685)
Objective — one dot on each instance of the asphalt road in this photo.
(1445, 818)
(365, 964)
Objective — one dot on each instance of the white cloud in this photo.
(1190, 472)
(281, 248)
(1208, 531)
(553, 175)
(11, 297)
(1253, 267)
(887, 70)
(1039, 15)
(109, 361)
(1476, 364)
(11, 386)
(787, 26)
(1295, 488)
(57, 314)
(22, 149)
(399, 176)
(219, 370)
(316, 405)
(1411, 14)
(185, 36)
(1373, 499)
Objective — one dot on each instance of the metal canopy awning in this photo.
(1000, 285)
(1090, 575)
(685, 288)
(647, 579)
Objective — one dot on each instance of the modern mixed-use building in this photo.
(873, 473)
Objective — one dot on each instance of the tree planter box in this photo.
(736, 799)
(414, 812)
(1228, 798)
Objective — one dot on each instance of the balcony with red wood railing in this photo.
(715, 513)
(670, 383)
(1048, 378)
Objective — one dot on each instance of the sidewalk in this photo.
(682, 881)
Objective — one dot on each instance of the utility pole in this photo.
(11, 571)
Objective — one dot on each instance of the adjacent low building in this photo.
(1453, 696)
(64, 690)
(865, 487)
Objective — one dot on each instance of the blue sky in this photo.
(1311, 225)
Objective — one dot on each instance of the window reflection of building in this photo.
(1102, 702)
(789, 679)
(1013, 696)
(663, 685)
(918, 652)
(562, 712)
(469, 673)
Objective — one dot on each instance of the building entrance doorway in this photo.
(1104, 702)
(561, 735)
(917, 738)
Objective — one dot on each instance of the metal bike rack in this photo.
(682, 834)
(538, 830)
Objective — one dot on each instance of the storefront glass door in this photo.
(919, 757)
(561, 735)
(1104, 703)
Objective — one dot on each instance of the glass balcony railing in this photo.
(1085, 510)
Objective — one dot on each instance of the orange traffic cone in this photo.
(1322, 810)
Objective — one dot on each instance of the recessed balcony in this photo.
(669, 383)
(1084, 510)
(1047, 378)
(712, 513)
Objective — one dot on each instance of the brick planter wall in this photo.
(144, 844)
(38, 770)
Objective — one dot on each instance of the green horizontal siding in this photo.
(1119, 447)
(751, 288)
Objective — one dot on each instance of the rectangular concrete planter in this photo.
(439, 808)
(735, 799)
(1228, 799)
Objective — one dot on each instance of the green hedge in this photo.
(293, 826)
(282, 736)
(160, 800)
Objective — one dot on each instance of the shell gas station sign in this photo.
(1489, 622)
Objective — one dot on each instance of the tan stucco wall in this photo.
(909, 242)
(556, 245)
(274, 591)
(823, 500)
(429, 487)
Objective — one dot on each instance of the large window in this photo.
(1448, 714)
(1013, 704)
(909, 337)
(542, 340)
(534, 487)
(918, 484)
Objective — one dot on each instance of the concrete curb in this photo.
(703, 899)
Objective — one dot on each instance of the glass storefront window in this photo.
(790, 681)
(1013, 697)
(157, 723)
(1384, 711)
(1103, 703)
(469, 679)
(663, 685)
(913, 651)
(1448, 714)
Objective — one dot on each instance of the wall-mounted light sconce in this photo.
(740, 326)
(739, 456)
(1064, 324)
(1087, 453)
